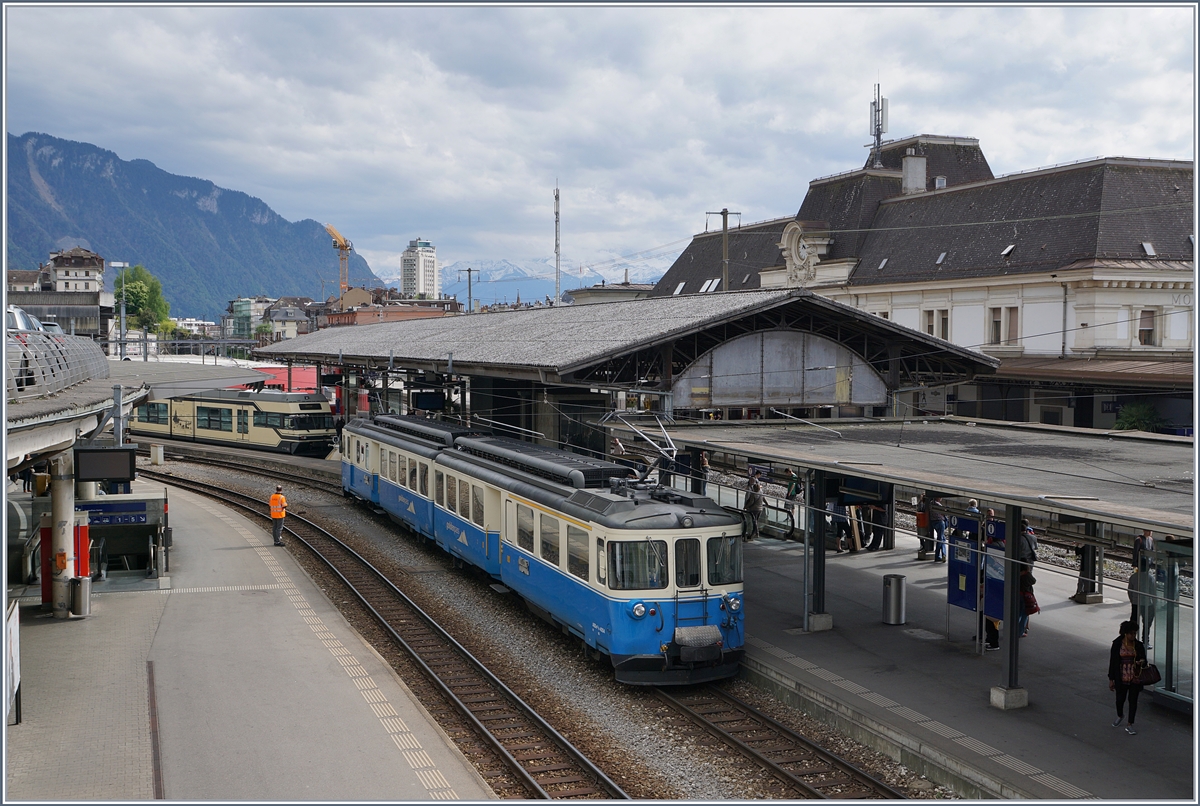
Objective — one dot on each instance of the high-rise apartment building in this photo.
(419, 268)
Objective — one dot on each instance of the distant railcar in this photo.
(646, 576)
(285, 422)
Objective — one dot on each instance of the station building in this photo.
(1077, 277)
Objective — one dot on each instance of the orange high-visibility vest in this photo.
(278, 504)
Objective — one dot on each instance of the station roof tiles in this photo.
(565, 338)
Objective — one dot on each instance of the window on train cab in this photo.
(477, 505)
(687, 563)
(638, 565)
(438, 483)
(525, 527)
(577, 552)
(600, 560)
(724, 560)
(451, 493)
(424, 479)
(213, 419)
(464, 499)
(274, 419)
(550, 539)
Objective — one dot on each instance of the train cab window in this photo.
(477, 505)
(687, 563)
(424, 479)
(724, 560)
(600, 560)
(214, 419)
(577, 552)
(525, 527)
(268, 419)
(438, 485)
(550, 539)
(639, 565)
(153, 413)
(451, 493)
(464, 499)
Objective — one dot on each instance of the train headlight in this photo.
(639, 610)
(735, 604)
(687, 522)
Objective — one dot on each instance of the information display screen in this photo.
(106, 464)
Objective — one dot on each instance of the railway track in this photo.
(802, 769)
(278, 471)
(517, 752)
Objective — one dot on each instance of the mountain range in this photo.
(207, 244)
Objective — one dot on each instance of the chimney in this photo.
(913, 169)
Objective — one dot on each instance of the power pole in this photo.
(724, 245)
(557, 273)
(470, 299)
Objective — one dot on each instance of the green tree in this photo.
(1139, 416)
(145, 305)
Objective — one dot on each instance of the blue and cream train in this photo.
(645, 575)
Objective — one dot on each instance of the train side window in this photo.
(243, 422)
(214, 419)
(153, 413)
(412, 474)
(260, 419)
(392, 465)
(451, 493)
(724, 560)
(477, 505)
(687, 562)
(424, 479)
(401, 470)
(550, 541)
(438, 487)
(464, 499)
(274, 419)
(577, 552)
(600, 560)
(525, 527)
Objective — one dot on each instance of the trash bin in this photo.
(893, 599)
(156, 454)
(81, 596)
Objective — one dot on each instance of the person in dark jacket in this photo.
(1125, 660)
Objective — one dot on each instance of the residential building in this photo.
(419, 270)
(197, 327)
(1078, 277)
(245, 314)
(69, 290)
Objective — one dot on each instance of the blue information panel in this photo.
(993, 583)
(962, 566)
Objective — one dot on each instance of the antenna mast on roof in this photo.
(879, 124)
(557, 272)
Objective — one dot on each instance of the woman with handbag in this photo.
(1126, 661)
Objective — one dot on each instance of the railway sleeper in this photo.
(575, 793)
(550, 768)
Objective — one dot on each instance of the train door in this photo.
(243, 425)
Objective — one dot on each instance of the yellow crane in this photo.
(344, 247)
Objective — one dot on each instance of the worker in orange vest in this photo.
(278, 511)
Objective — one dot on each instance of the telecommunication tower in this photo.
(879, 124)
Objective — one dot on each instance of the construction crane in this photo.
(344, 247)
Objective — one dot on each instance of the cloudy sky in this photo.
(454, 124)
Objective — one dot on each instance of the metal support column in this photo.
(1011, 695)
(62, 532)
(816, 508)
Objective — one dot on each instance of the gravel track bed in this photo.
(624, 729)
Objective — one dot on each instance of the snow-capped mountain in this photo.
(503, 280)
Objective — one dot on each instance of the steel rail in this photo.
(607, 786)
(787, 747)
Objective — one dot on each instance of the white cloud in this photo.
(453, 123)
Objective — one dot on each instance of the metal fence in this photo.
(40, 364)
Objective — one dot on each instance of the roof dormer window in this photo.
(678, 289)
(939, 182)
(882, 264)
(1008, 249)
(941, 257)
(1149, 249)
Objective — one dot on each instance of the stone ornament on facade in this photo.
(800, 257)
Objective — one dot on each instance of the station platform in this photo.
(921, 693)
(231, 679)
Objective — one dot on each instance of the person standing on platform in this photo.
(923, 528)
(877, 516)
(1125, 659)
(1028, 602)
(278, 512)
(754, 506)
(937, 522)
(704, 470)
(794, 486)
(1142, 593)
(1143, 545)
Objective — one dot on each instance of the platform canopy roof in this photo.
(1129, 478)
(622, 344)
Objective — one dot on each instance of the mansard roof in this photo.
(959, 159)
(1104, 208)
(752, 249)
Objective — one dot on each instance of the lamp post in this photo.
(122, 267)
